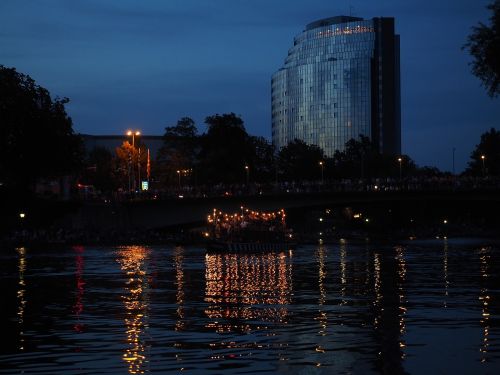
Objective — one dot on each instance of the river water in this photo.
(361, 308)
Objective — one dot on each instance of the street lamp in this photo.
(483, 157)
(179, 174)
(129, 168)
(321, 165)
(400, 160)
(247, 170)
(453, 162)
(139, 166)
(133, 134)
(276, 173)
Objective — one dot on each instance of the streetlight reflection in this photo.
(484, 298)
(133, 262)
(21, 294)
(179, 281)
(133, 134)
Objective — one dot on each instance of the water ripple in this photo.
(348, 308)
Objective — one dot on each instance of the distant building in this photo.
(340, 79)
(111, 142)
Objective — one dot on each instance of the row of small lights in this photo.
(359, 216)
(264, 215)
(321, 163)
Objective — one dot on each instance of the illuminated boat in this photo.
(248, 231)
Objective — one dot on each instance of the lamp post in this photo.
(483, 157)
(247, 171)
(139, 167)
(400, 161)
(362, 164)
(133, 134)
(148, 167)
(321, 165)
(453, 162)
(276, 174)
(179, 175)
(129, 165)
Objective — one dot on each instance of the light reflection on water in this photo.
(21, 291)
(355, 308)
(484, 298)
(80, 286)
(242, 287)
(133, 262)
(179, 281)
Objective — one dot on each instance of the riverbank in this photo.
(313, 219)
(193, 235)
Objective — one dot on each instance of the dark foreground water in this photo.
(418, 307)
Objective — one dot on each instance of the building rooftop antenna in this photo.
(351, 11)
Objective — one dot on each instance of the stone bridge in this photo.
(154, 214)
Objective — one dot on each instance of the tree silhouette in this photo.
(262, 159)
(484, 46)
(360, 159)
(179, 151)
(36, 134)
(299, 161)
(100, 170)
(226, 150)
(127, 164)
(489, 148)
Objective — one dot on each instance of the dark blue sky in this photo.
(144, 64)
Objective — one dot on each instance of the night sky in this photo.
(144, 64)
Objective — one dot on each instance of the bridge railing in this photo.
(411, 184)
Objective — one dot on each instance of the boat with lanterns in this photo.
(248, 231)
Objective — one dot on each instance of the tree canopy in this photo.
(484, 46)
(300, 161)
(262, 159)
(224, 154)
(100, 170)
(485, 159)
(360, 159)
(179, 150)
(131, 164)
(36, 134)
(225, 150)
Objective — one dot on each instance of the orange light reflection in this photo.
(21, 294)
(133, 261)
(245, 287)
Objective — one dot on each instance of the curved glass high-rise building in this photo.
(339, 80)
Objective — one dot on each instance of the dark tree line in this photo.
(37, 141)
(36, 134)
(226, 153)
(226, 150)
(484, 46)
(485, 159)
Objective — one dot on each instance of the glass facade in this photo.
(331, 87)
